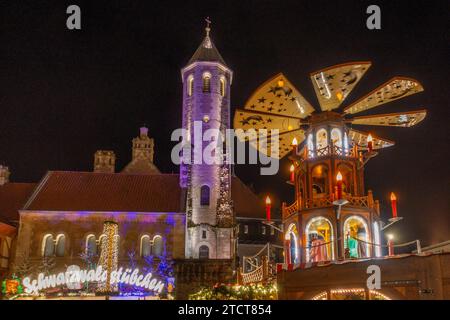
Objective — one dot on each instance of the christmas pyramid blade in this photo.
(265, 144)
(246, 119)
(278, 96)
(396, 88)
(400, 119)
(360, 139)
(333, 84)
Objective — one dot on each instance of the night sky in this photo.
(64, 94)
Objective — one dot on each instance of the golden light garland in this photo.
(109, 254)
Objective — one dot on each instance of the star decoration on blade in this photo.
(289, 112)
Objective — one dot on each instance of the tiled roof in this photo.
(13, 197)
(246, 203)
(91, 191)
(207, 51)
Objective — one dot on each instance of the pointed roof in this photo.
(207, 51)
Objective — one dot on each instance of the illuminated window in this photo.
(222, 87)
(263, 231)
(347, 178)
(310, 144)
(272, 231)
(336, 137)
(145, 247)
(204, 195)
(319, 174)
(291, 237)
(320, 240)
(203, 252)
(321, 139)
(91, 245)
(60, 245)
(246, 229)
(48, 246)
(157, 247)
(357, 240)
(206, 83)
(190, 85)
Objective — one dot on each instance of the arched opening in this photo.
(157, 247)
(356, 243)
(203, 252)
(60, 245)
(336, 137)
(206, 83)
(319, 175)
(320, 240)
(376, 239)
(351, 294)
(145, 247)
(321, 140)
(347, 178)
(310, 145)
(48, 246)
(291, 245)
(91, 245)
(222, 87)
(204, 195)
(190, 85)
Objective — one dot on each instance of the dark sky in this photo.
(65, 94)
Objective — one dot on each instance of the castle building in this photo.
(180, 227)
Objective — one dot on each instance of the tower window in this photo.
(204, 234)
(263, 230)
(203, 252)
(206, 83)
(222, 87)
(204, 196)
(246, 229)
(190, 85)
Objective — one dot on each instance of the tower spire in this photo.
(208, 28)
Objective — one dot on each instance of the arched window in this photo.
(336, 137)
(145, 249)
(206, 82)
(321, 139)
(310, 146)
(204, 195)
(60, 245)
(222, 87)
(190, 85)
(319, 240)
(319, 174)
(203, 252)
(157, 247)
(356, 243)
(48, 246)
(91, 245)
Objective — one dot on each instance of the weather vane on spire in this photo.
(208, 23)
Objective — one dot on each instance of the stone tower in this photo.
(142, 155)
(104, 161)
(206, 105)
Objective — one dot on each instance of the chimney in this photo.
(4, 175)
(104, 161)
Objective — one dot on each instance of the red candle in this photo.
(369, 142)
(394, 205)
(294, 145)
(339, 185)
(268, 202)
(292, 170)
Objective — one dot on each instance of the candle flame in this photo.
(393, 197)
(268, 200)
(294, 141)
(292, 168)
(339, 176)
(369, 138)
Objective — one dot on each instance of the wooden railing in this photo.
(327, 201)
(332, 150)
